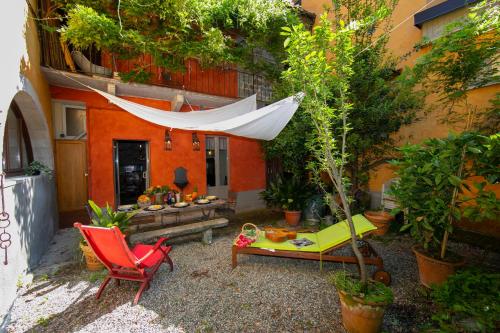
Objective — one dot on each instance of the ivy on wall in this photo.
(214, 32)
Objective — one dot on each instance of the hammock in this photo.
(240, 118)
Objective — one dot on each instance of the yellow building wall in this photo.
(401, 42)
(30, 67)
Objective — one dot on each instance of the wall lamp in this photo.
(168, 140)
(196, 142)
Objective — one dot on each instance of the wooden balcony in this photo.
(224, 81)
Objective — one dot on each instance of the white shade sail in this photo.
(240, 118)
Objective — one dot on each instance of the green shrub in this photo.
(428, 176)
(373, 292)
(468, 302)
(110, 218)
(288, 194)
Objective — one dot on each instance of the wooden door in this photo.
(71, 171)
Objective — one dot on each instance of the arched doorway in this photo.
(36, 125)
(17, 150)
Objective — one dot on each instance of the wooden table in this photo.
(207, 210)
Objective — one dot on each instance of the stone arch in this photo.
(28, 102)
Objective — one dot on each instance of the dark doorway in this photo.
(131, 170)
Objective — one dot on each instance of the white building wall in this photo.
(29, 201)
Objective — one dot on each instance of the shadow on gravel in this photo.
(405, 318)
(79, 314)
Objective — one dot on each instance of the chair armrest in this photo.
(155, 248)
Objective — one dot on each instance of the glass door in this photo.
(131, 170)
(217, 162)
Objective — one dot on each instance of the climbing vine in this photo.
(215, 32)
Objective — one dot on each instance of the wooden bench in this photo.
(205, 227)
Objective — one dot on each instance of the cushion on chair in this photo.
(140, 251)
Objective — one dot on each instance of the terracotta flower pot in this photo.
(381, 219)
(359, 316)
(434, 271)
(292, 217)
(93, 264)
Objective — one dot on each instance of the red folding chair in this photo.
(139, 264)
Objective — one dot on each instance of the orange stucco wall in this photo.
(106, 122)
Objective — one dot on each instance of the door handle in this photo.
(86, 174)
(145, 175)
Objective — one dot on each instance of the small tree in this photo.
(320, 65)
(382, 100)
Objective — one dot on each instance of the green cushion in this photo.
(339, 232)
(323, 240)
(264, 243)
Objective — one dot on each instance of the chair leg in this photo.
(117, 281)
(103, 285)
(143, 287)
(167, 258)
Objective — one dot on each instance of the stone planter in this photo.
(93, 264)
(359, 316)
(434, 271)
(292, 217)
(381, 219)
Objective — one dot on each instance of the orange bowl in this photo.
(276, 236)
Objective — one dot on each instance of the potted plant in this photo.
(432, 194)
(381, 219)
(106, 219)
(290, 194)
(36, 168)
(150, 193)
(319, 63)
(362, 307)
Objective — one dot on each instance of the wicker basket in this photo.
(250, 231)
(93, 264)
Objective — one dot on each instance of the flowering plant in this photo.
(157, 189)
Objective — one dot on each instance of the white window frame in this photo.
(216, 157)
(59, 108)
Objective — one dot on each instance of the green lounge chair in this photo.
(325, 242)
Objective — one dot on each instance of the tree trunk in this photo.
(354, 239)
(354, 174)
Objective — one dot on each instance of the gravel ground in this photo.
(203, 294)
